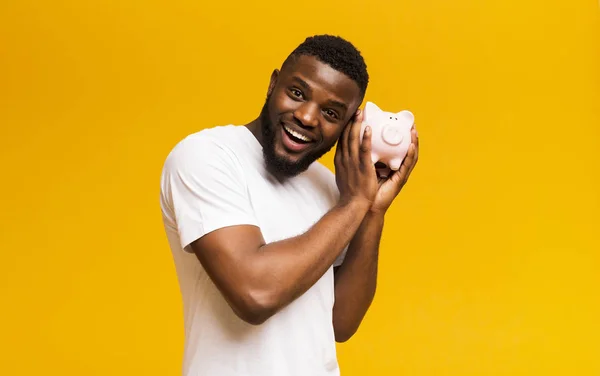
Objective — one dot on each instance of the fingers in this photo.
(410, 161)
(415, 146)
(410, 156)
(341, 154)
(339, 149)
(365, 150)
(354, 137)
(347, 141)
(415, 141)
(400, 177)
(397, 180)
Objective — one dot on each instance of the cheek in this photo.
(283, 103)
(331, 133)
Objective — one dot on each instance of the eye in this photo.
(331, 114)
(296, 93)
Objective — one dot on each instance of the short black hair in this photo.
(339, 54)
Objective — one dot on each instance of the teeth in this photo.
(296, 134)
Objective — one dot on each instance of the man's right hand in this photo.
(355, 173)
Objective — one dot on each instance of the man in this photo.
(276, 256)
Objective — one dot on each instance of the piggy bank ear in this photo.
(371, 112)
(406, 117)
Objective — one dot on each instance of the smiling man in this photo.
(276, 256)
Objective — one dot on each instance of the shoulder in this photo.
(208, 146)
(205, 161)
(217, 138)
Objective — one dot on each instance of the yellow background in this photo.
(490, 260)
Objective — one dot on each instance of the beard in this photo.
(279, 165)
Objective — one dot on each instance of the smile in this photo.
(294, 141)
(295, 135)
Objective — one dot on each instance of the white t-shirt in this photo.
(216, 178)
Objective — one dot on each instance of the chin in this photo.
(283, 164)
(278, 159)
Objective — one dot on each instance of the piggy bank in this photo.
(390, 136)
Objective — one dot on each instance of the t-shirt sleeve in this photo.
(207, 189)
(340, 259)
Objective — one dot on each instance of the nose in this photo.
(307, 114)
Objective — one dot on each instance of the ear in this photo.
(273, 81)
(371, 112)
(370, 106)
(406, 117)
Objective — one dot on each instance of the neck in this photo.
(255, 127)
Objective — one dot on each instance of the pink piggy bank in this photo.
(390, 136)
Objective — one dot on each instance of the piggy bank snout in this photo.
(392, 134)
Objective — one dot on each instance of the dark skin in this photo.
(259, 279)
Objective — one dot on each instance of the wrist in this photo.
(356, 205)
(376, 213)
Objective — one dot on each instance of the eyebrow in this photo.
(338, 103)
(306, 86)
(302, 82)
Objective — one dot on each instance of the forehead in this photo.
(323, 80)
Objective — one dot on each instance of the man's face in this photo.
(307, 107)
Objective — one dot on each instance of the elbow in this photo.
(342, 336)
(256, 307)
(344, 327)
(255, 316)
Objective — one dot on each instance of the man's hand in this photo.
(355, 173)
(391, 186)
(256, 278)
(356, 278)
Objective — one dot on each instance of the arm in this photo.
(356, 278)
(259, 279)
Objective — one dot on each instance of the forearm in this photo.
(356, 278)
(279, 272)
